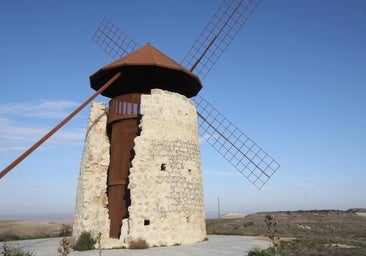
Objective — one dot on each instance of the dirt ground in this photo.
(22, 229)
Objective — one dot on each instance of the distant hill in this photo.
(357, 210)
(232, 216)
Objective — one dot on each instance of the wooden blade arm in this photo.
(57, 127)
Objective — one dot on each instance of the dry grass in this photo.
(11, 230)
(324, 232)
(139, 243)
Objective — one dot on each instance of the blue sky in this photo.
(293, 80)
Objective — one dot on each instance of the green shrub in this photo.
(139, 243)
(259, 252)
(13, 251)
(85, 242)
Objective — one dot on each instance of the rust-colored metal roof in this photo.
(143, 70)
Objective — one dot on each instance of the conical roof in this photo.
(143, 70)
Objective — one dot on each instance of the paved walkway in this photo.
(216, 245)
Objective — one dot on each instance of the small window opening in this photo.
(146, 222)
(163, 167)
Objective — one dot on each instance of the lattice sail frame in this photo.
(113, 41)
(236, 147)
(217, 35)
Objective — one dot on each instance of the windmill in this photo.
(226, 138)
(127, 81)
(237, 148)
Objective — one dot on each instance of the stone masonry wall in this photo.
(91, 213)
(167, 205)
(166, 178)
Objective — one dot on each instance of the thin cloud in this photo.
(19, 130)
(39, 109)
(13, 133)
(17, 138)
(204, 138)
(12, 148)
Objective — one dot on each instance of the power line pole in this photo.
(218, 207)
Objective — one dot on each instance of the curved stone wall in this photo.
(165, 181)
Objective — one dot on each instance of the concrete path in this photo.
(216, 245)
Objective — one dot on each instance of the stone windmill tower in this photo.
(141, 170)
(152, 187)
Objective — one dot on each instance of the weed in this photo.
(272, 232)
(85, 242)
(64, 247)
(259, 252)
(14, 251)
(99, 238)
(139, 243)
